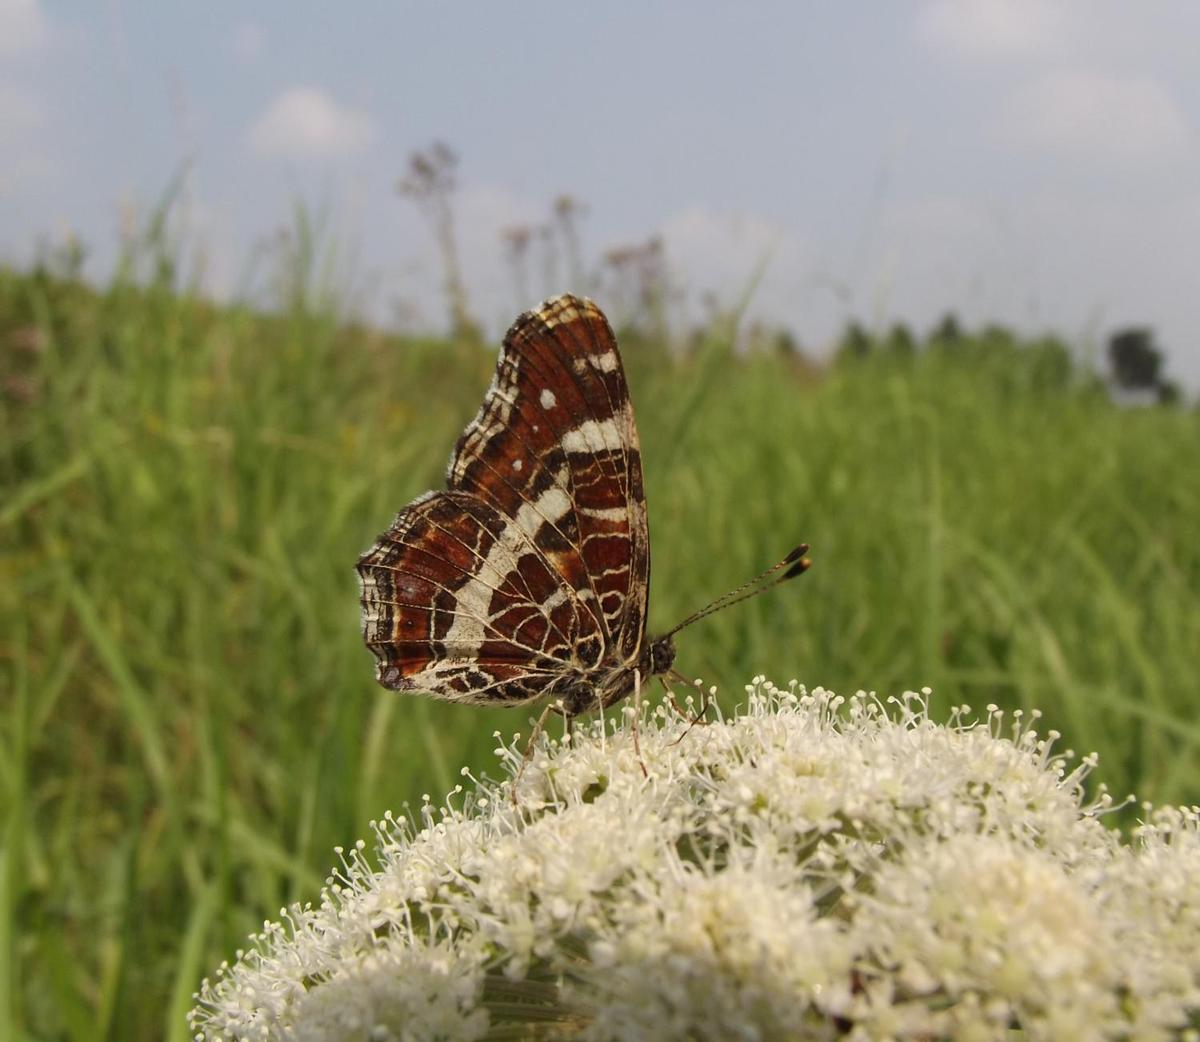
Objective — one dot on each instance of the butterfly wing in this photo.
(555, 443)
(457, 601)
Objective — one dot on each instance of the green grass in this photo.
(190, 722)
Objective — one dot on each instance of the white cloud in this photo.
(1097, 33)
(992, 29)
(247, 41)
(306, 123)
(1127, 119)
(22, 27)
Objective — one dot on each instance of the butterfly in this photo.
(528, 577)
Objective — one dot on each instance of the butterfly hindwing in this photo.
(458, 601)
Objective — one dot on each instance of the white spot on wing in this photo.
(547, 399)
(517, 464)
(606, 513)
(606, 362)
(590, 435)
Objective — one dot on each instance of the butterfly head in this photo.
(660, 656)
(657, 658)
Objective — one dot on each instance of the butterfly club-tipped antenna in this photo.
(795, 563)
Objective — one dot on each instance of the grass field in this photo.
(190, 722)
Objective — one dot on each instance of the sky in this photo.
(1029, 162)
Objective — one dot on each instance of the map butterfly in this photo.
(528, 577)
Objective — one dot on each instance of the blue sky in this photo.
(1034, 162)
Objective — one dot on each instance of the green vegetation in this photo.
(190, 723)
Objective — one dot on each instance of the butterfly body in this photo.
(528, 577)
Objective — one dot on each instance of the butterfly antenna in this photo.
(795, 564)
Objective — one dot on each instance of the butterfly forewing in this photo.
(557, 428)
(529, 575)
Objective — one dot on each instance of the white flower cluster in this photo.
(812, 868)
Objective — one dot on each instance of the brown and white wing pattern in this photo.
(458, 602)
(530, 573)
(558, 417)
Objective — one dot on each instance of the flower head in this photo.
(811, 867)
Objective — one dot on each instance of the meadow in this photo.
(190, 722)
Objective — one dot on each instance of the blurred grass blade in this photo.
(189, 965)
(35, 491)
(134, 699)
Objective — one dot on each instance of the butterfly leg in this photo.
(536, 733)
(698, 717)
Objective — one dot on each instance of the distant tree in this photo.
(786, 343)
(997, 337)
(947, 333)
(900, 342)
(1136, 363)
(766, 338)
(1169, 393)
(996, 347)
(1051, 362)
(856, 343)
(430, 181)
